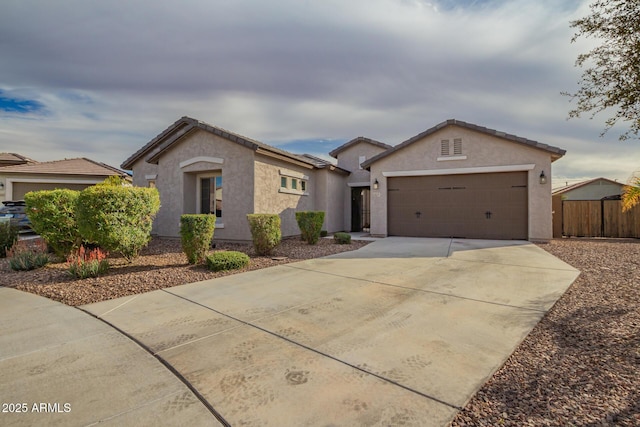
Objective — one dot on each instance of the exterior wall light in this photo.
(543, 178)
(376, 184)
(1, 185)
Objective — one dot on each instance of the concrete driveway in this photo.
(401, 332)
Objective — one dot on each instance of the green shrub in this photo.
(117, 218)
(8, 236)
(323, 233)
(265, 232)
(196, 232)
(342, 238)
(25, 256)
(227, 260)
(53, 216)
(88, 263)
(310, 223)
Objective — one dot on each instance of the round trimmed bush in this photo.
(342, 238)
(227, 260)
(196, 232)
(310, 224)
(265, 232)
(117, 218)
(53, 216)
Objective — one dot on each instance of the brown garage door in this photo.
(22, 188)
(474, 206)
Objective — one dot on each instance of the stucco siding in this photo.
(270, 199)
(481, 151)
(178, 184)
(331, 188)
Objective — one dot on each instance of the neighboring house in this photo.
(75, 174)
(12, 159)
(455, 179)
(593, 189)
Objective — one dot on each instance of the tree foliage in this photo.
(631, 195)
(611, 77)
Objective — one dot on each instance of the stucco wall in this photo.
(349, 159)
(178, 185)
(329, 198)
(269, 198)
(481, 150)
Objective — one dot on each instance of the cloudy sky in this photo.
(100, 78)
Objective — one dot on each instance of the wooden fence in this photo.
(599, 218)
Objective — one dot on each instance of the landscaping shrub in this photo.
(310, 223)
(52, 215)
(25, 256)
(323, 233)
(265, 232)
(115, 181)
(342, 238)
(117, 218)
(227, 260)
(88, 263)
(8, 236)
(196, 232)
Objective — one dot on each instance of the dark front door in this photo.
(360, 209)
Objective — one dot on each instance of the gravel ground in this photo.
(580, 366)
(161, 265)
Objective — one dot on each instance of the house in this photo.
(593, 189)
(455, 179)
(12, 159)
(75, 174)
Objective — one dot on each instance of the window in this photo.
(303, 185)
(151, 183)
(361, 160)
(444, 147)
(294, 184)
(211, 195)
(457, 147)
(283, 182)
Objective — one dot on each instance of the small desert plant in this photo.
(53, 216)
(310, 224)
(196, 232)
(323, 233)
(8, 237)
(265, 232)
(342, 238)
(227, 260)
(88, 263)
(25, 256)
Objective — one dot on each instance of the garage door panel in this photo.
(488, 206)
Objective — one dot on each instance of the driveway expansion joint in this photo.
(323, 354)
(167, 365)
(418, 289)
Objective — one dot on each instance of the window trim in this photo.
(199, 178)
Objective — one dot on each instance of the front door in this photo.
(360, 209)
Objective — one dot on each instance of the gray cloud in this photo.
(113, 74)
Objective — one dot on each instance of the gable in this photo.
(474, 133)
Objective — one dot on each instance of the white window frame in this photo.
(199, 177)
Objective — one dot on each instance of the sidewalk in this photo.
(60, 366)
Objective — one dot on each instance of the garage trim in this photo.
(461, 171)
(9, 190)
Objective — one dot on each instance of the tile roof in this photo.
(582, 184)
(170, 136)
(14, 159)
(555, 152)
(78, 166)
(357, 140)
